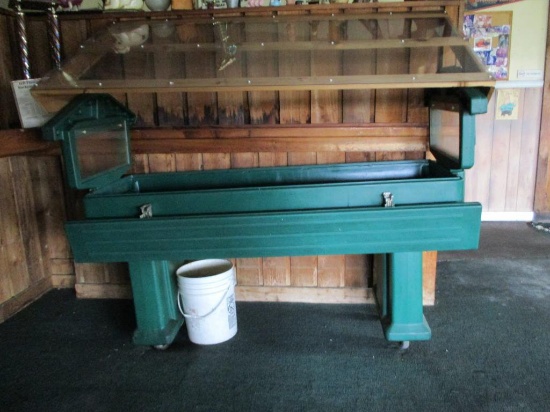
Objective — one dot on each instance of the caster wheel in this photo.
(161, 347)
(404, 345)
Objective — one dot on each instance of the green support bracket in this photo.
(399, 296)
(155, 293)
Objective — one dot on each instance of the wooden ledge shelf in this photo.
(236, 139)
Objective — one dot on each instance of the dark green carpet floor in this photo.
(489, 352)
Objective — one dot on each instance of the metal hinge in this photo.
(388, 199)
(146, 211)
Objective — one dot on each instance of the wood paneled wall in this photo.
(34, 254)
(504, 174)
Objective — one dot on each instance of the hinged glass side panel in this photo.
(101, 152)
(445, 139)
(452, 125)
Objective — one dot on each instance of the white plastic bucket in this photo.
(206, 298)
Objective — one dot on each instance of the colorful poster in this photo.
(489, 36)
(507, 104)
(472, 5)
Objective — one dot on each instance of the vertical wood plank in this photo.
(213, 161)
(542, 186)
(232, 107)
(358, 105)
(357, 270)
(47, 186)
(170, 106)
(331, 271)
(267, 159)
(391, 105)
(478, 178)
(28, 225)
(162, 162)
(140, 66)
(73, 34)
(423, 61)
(529, 146)
(302, 158)
(14, 276)
(189, 161)
(8, 72)
(249, 271)
(242, 160)
(39, 48)
(499, 168)
(294, 105)
(429, 270)
(276, 271)
(202, 106)
(331, 157)
(356, 157)
(101, 273)
(140, 163)
(263, 105)
(514, 157)
(303, 270)
(326, 105)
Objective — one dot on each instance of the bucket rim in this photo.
(224, 266)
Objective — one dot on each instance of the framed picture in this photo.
(489, 34)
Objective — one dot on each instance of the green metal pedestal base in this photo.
(155, 292)
(398, 295)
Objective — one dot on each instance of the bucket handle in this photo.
(189, 316)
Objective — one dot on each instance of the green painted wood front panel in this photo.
(299, 233)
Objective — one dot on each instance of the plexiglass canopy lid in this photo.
(381, 50)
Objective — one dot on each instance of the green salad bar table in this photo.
(398, 209)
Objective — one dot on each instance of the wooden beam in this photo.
(231, 139)
(19, 142)
(281, 138)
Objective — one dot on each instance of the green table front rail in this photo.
(296, 233)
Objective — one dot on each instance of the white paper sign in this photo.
(31, 114)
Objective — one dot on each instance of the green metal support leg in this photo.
(155, 291)
(399, 296)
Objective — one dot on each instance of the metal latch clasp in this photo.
(388, 199)
(146, 211)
